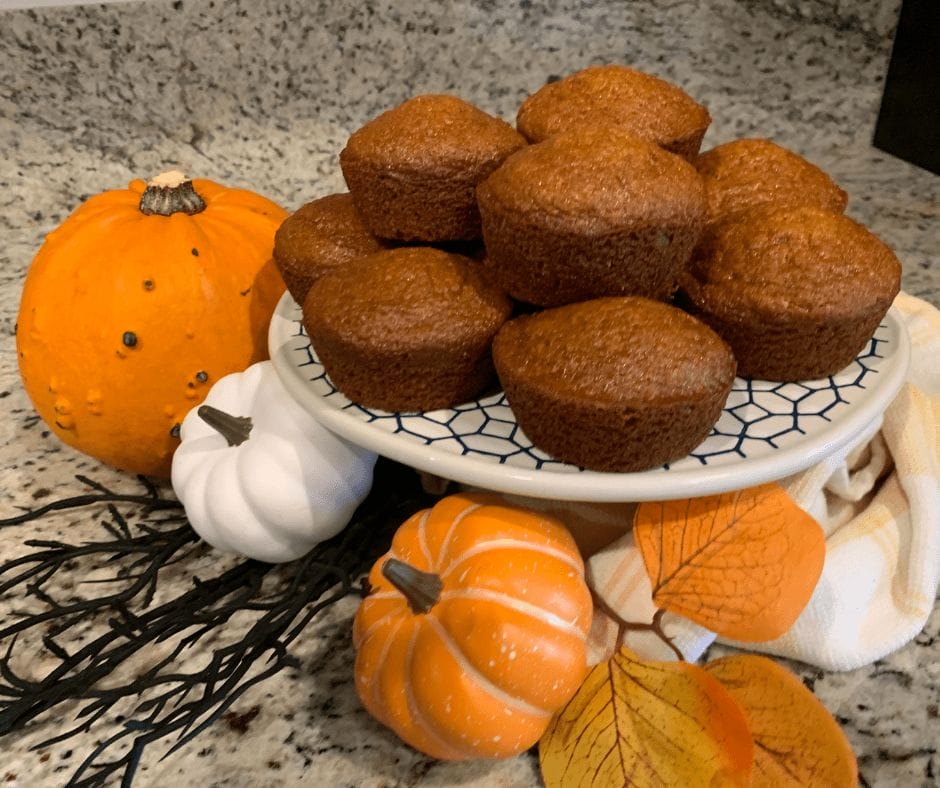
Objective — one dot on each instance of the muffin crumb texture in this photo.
(609, 277)
(319, 237)
(406, 329)
(752, 173)
(620, 97)
(413, 170)
(796, 292)
(590, 213)
(615, 384)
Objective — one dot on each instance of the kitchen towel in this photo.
(878, 502)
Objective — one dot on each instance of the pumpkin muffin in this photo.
(319, 237)
(614, 384)
(643, 105)
(749, 173)
(590, 213)
(413, 170)
(406, 329)
(796, 292)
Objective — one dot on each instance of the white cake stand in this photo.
(767, 430)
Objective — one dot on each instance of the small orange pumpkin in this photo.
(473, 634)
(136, 304)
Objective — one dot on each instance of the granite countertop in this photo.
(262, 94)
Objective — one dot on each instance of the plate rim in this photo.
(593, 486)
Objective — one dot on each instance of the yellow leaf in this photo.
(647, 724)
(796, 741)
(743, 564)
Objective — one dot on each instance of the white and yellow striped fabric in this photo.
(879, 503)
(880, 507)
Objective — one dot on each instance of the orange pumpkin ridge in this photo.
(505, 544)
(422, 727)
(127, 318)
(514, 703)
(474, 633)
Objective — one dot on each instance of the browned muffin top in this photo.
(408, 298)
(630, 351)
(646, 106)
(324, 233)
(792, 263)
(747, 173)
(435, 133)
(597, 178)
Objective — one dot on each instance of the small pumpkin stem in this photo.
(234, 429)
(169, 193)
(421, 589)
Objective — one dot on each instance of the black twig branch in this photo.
(150, 500)
(120, 619)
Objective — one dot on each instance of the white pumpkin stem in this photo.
(171, 192)
(421, 589)
(235, 429)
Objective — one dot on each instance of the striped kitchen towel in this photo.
(879, 504)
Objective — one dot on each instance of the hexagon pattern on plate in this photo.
(758, 416)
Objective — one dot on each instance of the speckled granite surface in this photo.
(876, 19)
(263, 94)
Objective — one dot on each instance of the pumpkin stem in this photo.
(421, 589)
(234, 429)
(171, 192)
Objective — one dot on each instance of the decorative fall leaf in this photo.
(796, 741)
(743, 564)
(647, 724)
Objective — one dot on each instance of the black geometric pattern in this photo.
(759, 416)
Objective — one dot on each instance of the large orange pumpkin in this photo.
(473, 633)
(136, 304)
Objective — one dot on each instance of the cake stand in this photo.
(767, 430)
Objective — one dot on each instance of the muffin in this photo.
(590, 213)
(319, 237)
(641, 104)
(796, 292)
(749, 173)
(615, 384)
(413, 170)
(406, 329)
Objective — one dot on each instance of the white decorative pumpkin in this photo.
(266, 481)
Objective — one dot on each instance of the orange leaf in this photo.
(743, 564)
(796, 741)
(647, 724)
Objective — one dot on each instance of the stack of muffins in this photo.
(622, 281)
